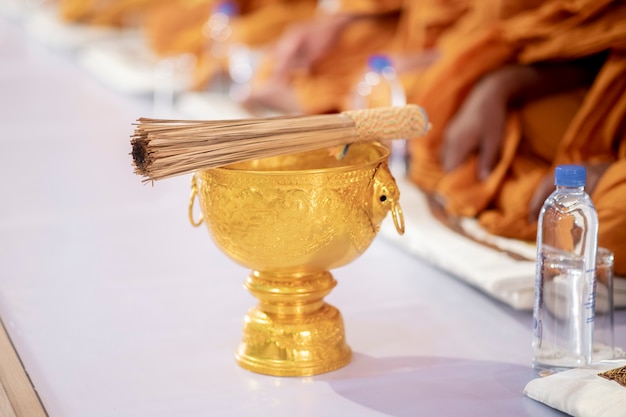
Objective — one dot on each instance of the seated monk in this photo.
(113, 13)
(176, 27)
(313, 67)
(542, 88)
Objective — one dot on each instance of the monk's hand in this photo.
(477, 128)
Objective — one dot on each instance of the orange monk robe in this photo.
(74, 10)
(440, 25)
(424, 23)
(369, 6)
(115, 13)
(424, 26)
(176, 27)
(572, 127)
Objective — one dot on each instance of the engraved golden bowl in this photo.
(291, 219)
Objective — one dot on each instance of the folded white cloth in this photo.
(127, 65)
(214, 106)
(209, 106)
(581, 392)
(488, 266)
(13, 9)
(43, 24)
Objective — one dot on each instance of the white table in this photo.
(117, 306)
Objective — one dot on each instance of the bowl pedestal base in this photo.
(292, 331)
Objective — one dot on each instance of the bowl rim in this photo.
(386, 152)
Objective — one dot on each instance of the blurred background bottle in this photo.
(171, 75)
(218, 33)
(380, 87)
(567, 239)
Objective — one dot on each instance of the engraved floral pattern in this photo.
(289, 221)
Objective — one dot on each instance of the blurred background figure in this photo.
(314, 65)
(114, 13)
(216, 32)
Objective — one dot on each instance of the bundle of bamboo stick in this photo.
(166, 148)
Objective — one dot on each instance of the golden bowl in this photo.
(291, 219)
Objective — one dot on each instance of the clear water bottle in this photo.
(380, 87)
(567, 240)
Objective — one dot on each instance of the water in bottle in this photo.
(567, 239)
(380, 87)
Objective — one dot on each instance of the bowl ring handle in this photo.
(192, 199)
(397, 216)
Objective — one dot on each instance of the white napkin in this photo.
(214, 106)
(14, 9)
(490, 270)
(127, 65)
(43, 24)
(581, 392)
(210, 106)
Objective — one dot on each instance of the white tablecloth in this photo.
(118, 307)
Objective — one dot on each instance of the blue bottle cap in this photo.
(378, 62)
(229, 8)
(570, 176)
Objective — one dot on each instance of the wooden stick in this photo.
(166, 148)
(18, 398)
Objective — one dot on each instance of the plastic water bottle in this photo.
(380, 87)
(218, 33)
(567, 240)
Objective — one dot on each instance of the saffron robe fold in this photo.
(579, 126)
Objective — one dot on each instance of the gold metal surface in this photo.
(291, 219)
